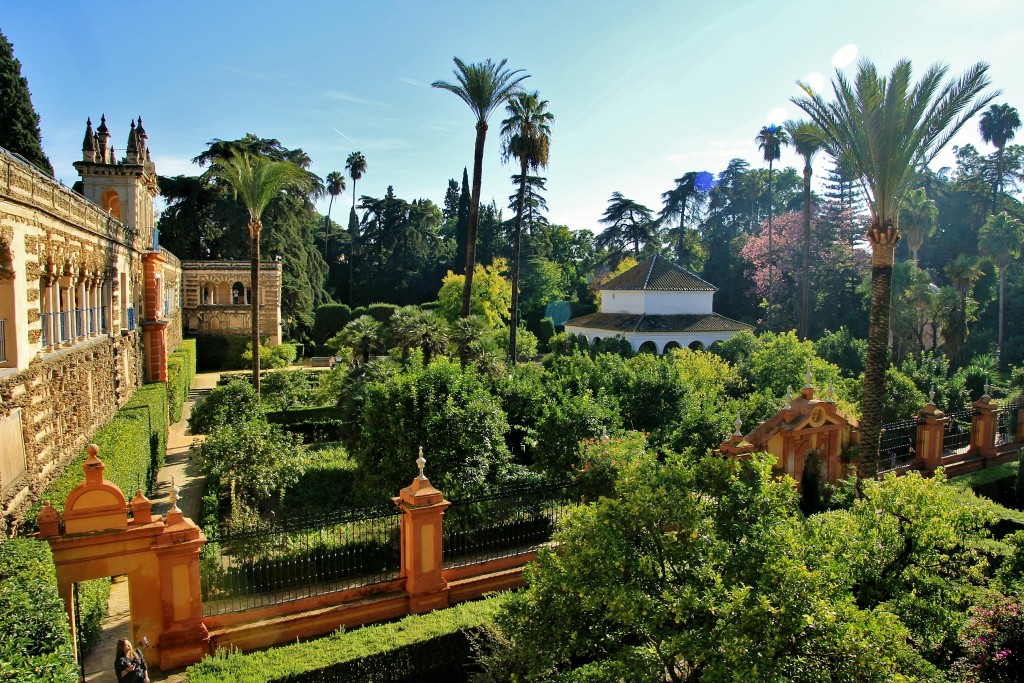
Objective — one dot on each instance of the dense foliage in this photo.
(19, 122)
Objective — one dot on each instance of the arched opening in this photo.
(716, 347)
(812, 482)
(111, 203)
(648, 347)
(238, 293)
(696, 346)
(670, 347)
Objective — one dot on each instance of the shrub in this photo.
(233, 401)
(381, 312)
(181, 369)
(218, 353)
(526, 342)
(259, 457)
(329, 320)
(426, 647)
(276, 356)
(36, 645)
(132, 445)
(330, 481)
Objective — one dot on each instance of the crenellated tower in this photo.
(124, 188)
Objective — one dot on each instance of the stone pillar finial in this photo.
(808, 379)
(830, 393)
(988, 388)
(420, 462)
(738, 424)
(604, 435)
(174, 496)
(931, 395)
(93, 466)
(789, 399)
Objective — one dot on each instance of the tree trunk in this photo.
(771, 259)
(327, 226)
(1002, 294)
(883, 247)
(255, 227)
(805, 295)
(516, 243)
(474, 215)
(352, 253)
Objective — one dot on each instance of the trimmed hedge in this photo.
(303, 415)
(36, 643)
(215, 353)
(181, 369)
(328, 321)
(133, 446)
(422, 648)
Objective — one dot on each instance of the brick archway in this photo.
(101, 534)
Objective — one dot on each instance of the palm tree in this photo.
(770, 141)
(806, 140)
(256, 181)
(467, 333)
(484, 86)
(1000, 240)
(962, 271)
(691, 191)
(335, 186)
(918, 216)
(998, 125)
(355, 164)
(363, 335)
(887, 129)
(525, 135)
(628, 223)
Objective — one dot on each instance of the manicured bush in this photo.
(330, 481)
(271, 356)
(329, 320)
(36, 643)
(216, 353)
(234, 401)
(381, 312)
(316, 431)
(258, 457)
(181, 369)
(424, 648)
(304, 415)
(132, 445)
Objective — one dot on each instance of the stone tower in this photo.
(125, 189)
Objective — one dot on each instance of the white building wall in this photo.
(657, 303)
(617, 301)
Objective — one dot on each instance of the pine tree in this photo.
(841, 187)
(19, 122)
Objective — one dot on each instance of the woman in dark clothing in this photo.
(129, 664)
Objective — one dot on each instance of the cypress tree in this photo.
(462, 225)
(19, 122)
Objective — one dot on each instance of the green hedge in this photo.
(216, 353)
(181, 369)
(329, 320)
(36, 642)
(303, 415)
(421, 648)
(133, 446)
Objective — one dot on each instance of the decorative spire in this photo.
(830, 393)
(789, 398)
(89, 143)
(103, 155)
(808, 379)
(174, 496)
(132, 149)
(988, 388)
(738, 424)
(931, 395)
(420, 462)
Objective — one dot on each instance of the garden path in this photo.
(180, 468)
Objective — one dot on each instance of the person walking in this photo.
(129, 664)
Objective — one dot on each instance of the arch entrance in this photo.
(101, 534)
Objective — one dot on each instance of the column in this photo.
(423, 509)
(931, 429)
(983, 427)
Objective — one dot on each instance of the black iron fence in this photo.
(957, 437)
(284, 560)
(1006, 424)
(897, 445)
(506, 523)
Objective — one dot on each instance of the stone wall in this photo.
(63, 399)
(209, 307)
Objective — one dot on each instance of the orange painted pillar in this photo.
(423, 509)
(154, 326)
(185, 639)
(931, 430)
(983, 427)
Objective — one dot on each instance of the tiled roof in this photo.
(638, 322)
(659, 274)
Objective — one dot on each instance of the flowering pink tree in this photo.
(836, 264)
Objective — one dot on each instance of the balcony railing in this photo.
(131, 318)
(3, 341)
(47, 321)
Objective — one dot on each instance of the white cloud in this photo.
(413, 81)
(844, 56)
(342, 96)
(777, 116)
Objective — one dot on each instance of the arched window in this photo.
(671, 346)
(237, 293)
(696, 346)
(112, 203)
(648, 347)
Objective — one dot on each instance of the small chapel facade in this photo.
(656, 306)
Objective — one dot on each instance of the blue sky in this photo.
(642, 91)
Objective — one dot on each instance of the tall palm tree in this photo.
(483, 86)
(998, 125)
(919, 216)
(962, 271)
(1000, 240)
(256, 181)
(628, 223)
(770, 141)
(355, 164)
(806, 140)
(525, 136)
(887, 129)
(691, 191)
(335, 186)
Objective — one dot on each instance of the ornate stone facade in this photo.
(71, 305)
(216, 298)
